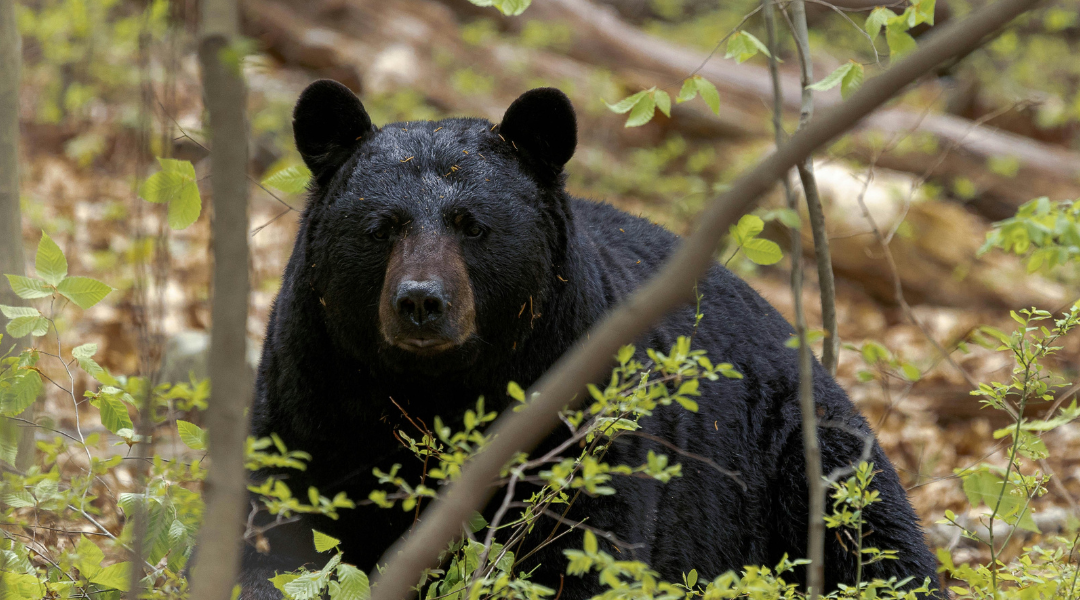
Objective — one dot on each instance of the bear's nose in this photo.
(421, 302)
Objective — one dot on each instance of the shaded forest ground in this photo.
(946, 162)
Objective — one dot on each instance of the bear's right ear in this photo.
(328, 123)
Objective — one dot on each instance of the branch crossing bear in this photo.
(419, 246)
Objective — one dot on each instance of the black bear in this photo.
(419, 246)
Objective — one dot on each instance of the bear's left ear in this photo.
(328, 124)
(541, 123)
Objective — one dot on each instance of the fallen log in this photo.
(1044, 170)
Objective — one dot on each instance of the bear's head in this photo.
(434, 243)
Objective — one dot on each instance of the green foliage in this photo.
(291, 179)
(699, 85)
(642, 106)
(849, 76)
(54, 282)
(1005, 494)
(635, 390)
(336, 579)
(87, 50)
(743, 45)
(759, 250)
(1046, 233)
(176, 185)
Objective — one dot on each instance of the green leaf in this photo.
(476, 522)
(89, 557)
(748, 227)
(687, 403)
(514, 391)
(192, 435)
(351, 584)
(832, 79)
(279, 581)
(28, 288)
(852, 81)
(642, 112)
(663, 102)
(14, 312)
(161, 187)
(708, 94)
(691, 578)
(589, 545)
(185, 209)
(900, 42)
(18, 498)
(19, 391)
(625, 354)
(114, 576)
(23, 326)
(878, 18)
(176, 185)
(762, 252)
(291, 180)
(688, 91)
(324, 542)
(84, 356)
(910, 372)
(114, 414)
(50, 262)
(924, 11)
(624, 105)
(83, 291)
(742, 45)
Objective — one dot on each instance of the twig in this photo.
(659, 440)
(898, 289)
(823, 257)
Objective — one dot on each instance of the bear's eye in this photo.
(381, 234)
(474, 230)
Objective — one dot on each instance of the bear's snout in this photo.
(421, 302)
(426, 305)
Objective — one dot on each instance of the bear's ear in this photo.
(328, 123)
(541, 122)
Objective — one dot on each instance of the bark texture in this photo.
(224, 95)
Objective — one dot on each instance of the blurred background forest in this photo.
(107, 85)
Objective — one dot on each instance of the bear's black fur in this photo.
(408, 219)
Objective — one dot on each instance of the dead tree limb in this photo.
(672, 286)
(224, 95)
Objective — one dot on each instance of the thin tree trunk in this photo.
(671, 286)
(12, 259)
(815, 537)
(826, 283)
(230, 378)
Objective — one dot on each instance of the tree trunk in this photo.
(12, 259)
(224, 96)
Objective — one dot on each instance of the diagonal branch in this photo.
(671, 287)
